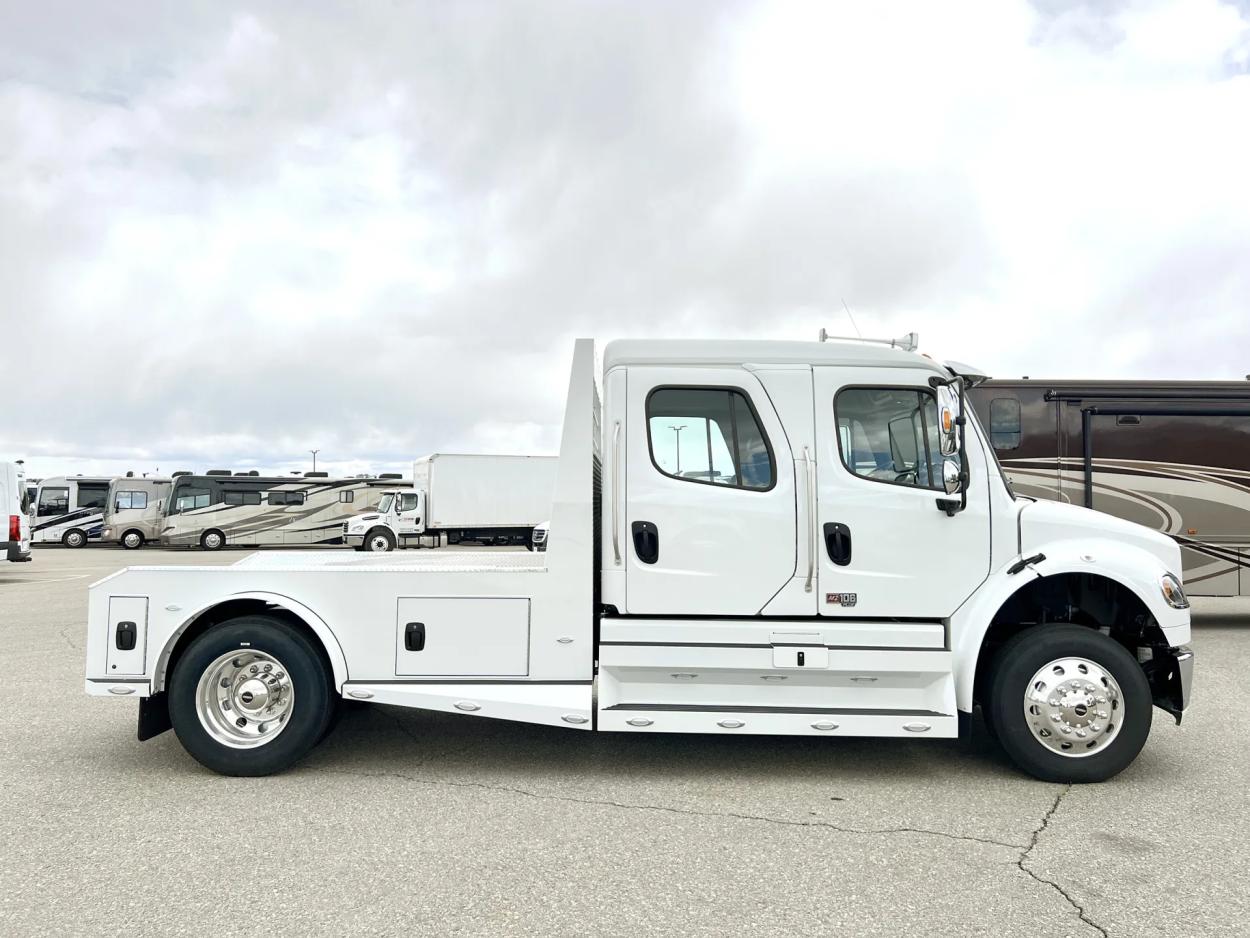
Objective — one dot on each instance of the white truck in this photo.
(456, 498)
(848, 562)
(14, 505)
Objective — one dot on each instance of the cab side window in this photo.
(407, 502)
(890, 435)
(53, 501)
(709, 435)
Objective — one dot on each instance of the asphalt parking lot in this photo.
(434, 824)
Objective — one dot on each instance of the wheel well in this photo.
(1077, 598)
(233, 609)
(133, 531)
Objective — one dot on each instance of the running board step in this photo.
(774, 721)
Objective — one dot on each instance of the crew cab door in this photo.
(885, 549)
(709, 526)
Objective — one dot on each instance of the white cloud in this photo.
(228, 236)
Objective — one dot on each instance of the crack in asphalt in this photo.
(1024, 856)
(669, 809)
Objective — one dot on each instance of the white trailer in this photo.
(487, 499)
(14, 505)
(837, 554)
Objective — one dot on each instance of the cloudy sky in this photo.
(229, 234)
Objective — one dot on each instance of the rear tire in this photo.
(132, 540)
(379, 540)
(74, 538)
(213, 681)
(1069, 704)
(212, 539)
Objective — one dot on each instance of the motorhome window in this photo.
(93, 494)
(709, 435)
(890, 435)
(189, 499)
(348, 496)
(1005, 423)
(407, 502)
(286, 498)
(241, 498)
(53, 501)
(131, 500)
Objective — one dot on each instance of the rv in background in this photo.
(249, 510)
(135, 510)
(456, 498)
(14, 504)
(1171, 455)
(69, 510)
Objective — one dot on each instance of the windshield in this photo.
(385, 504)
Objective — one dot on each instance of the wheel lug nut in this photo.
(225, 682)
(253, 669)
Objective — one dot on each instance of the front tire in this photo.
(212, 540)
(132, 540)
(74, 538)
(1069, 704)
(250, 697)
(379, 540)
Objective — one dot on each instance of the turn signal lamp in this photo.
(15, 527)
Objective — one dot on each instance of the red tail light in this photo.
(15, 527)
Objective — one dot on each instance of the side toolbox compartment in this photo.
(127, 636)
(453, 636)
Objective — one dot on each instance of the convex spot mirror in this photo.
(950, 476)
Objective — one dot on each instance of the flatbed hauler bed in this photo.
(830, 550)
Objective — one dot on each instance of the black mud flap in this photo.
(153, 716)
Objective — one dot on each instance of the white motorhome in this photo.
(69, 510)
(853, 564)
(456, 498)
(135, 510)
(14, 506)
(250, 510)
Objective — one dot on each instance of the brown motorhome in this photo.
(1172, 455)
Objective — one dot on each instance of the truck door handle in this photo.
(838, 543)
(127, 635)
(414, 636)
(646, 541)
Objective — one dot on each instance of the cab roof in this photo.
(761, 352)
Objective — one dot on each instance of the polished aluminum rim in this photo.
(212, 540)
(132, 539)
(1074, 707)
(244, 699)
(379, 542)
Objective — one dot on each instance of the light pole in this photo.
(314, 452)
(677, 430)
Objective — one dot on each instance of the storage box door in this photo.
(439, 636)
(127, 635)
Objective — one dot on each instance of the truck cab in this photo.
(781, 538)
(396, 522)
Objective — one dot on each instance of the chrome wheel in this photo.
(1074, 707)
(244, 699)
(132, 540)
(213, 541)
(75, 539)
(379, 542)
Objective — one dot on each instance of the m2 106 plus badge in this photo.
(845, 600)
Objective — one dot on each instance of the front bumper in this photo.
(354, 540)
(1171, 674)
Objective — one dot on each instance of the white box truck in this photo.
(456, 498)
(835, 553)
(14, 505)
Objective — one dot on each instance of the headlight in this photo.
(1172, 592)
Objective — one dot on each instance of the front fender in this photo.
(334, 651)
(1132, 567)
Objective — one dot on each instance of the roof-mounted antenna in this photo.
(908, 343)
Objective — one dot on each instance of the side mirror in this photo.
(951, 480)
